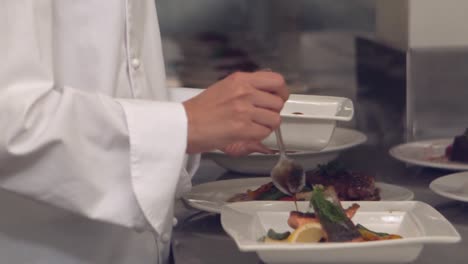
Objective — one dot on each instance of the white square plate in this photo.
(417, 222)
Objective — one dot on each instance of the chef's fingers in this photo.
(267, 100)
(267, 81)
(255, 132)
(243, 148)
(252, 147)
(266, 118)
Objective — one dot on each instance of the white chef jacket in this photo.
(87, 132)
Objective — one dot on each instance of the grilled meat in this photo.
(349, 185)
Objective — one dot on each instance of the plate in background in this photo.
(453, 186)
(261, 164)
(427, 153)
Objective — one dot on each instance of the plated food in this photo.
(211, 196)
(325, 221)
(416, 222)
(458, 150)
(434, 153)
(349, 186)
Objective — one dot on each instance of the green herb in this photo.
(325, 208)
(362, 228)
(277, 236)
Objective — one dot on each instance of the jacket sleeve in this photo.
(191, 162)
(111, 160)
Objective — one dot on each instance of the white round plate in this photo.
(262, 164)
(211, 196)
(453, 186)
(427, 153)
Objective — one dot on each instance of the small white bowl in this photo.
(308, 121)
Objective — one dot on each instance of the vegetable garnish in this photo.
(329, 222)
(336, 225)
(272, 234)
(325, 208)
(370, 235)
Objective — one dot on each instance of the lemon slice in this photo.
(307, 233)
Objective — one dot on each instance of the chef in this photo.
(93, 147)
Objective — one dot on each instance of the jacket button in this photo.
(136, 63)
(166, 238)
(174, 222)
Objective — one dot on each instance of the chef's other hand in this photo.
(243, 107)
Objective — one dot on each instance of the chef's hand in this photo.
(242, 109)
(242, 148)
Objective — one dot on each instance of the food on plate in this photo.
(328, 222)
(370, 235)
(458, 150)
(349, 186)
(297, 218)
(337, 226)
(274, 237)
(307, 233)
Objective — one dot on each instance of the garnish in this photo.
(370, 235)
(336, 225)
(325, 208)
(272, 234)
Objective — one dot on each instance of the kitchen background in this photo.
(327, 48)
(203, 15)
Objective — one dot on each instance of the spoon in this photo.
(287, 175)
